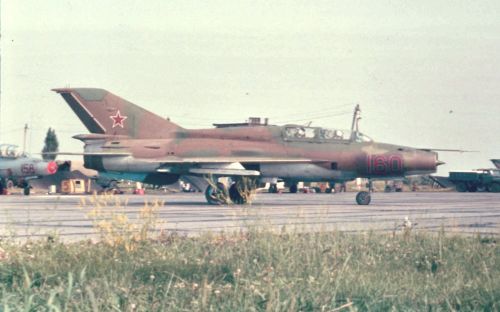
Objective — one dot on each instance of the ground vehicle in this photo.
(476, 180)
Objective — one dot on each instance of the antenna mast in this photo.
(355, 122)
(24, 137)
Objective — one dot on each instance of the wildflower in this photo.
(151, 277)
(237, 273)
(217, 292)
(195, 286)
(407, 223)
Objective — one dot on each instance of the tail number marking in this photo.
(28, 169)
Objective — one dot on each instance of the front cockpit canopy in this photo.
(303, 133)
(10, 151)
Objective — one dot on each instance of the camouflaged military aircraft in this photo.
(128, 142)
(17, 169)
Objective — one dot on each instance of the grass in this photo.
(255, 270)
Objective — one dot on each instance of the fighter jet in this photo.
(17, 169)
(131, 143)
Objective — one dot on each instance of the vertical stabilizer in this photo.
(103, 112)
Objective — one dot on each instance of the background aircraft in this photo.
(128, 142)
(17, 169)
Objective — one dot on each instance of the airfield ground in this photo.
(187, 213)
(431, 267)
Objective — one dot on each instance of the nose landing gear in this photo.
(363, 198)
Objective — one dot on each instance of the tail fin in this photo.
(103, 112)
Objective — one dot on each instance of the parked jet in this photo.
(128, 142)
(17, 169)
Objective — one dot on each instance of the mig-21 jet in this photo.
(131, 143)
(17, 168)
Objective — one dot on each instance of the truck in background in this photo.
(481, 180)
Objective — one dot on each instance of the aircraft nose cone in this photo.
(52, 167)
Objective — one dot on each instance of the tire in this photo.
(235, 195)
(363, 198)
(26, 190)
(10, 184)
(273, 188)
(481, 188)
(328, 190)
(218, 195)
(494, 188)
(472, 188)
(461, 187)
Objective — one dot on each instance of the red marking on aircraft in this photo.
(118, 119)
(384, 164)
(52, 167)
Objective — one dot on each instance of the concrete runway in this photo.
(187, 213)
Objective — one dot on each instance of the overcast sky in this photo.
(426, 73)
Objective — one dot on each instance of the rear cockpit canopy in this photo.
(10, 151)
(317, 134)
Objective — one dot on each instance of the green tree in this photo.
(51, 145)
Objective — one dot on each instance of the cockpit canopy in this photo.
(303, 133)
(10, 151)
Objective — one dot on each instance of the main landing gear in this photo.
(7, 185)
(217, 194)
(241, 191)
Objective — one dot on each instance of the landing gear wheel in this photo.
(10, 184)
(217, 195)
(363, 198)
(235, 195)
(293, 188)
(242, 191)
(26, 190)
(273, 188)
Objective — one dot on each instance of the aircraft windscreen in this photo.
(315, 133)
(293, 132)
(360, 137)
(9, 151)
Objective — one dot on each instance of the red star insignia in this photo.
(118, 119)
